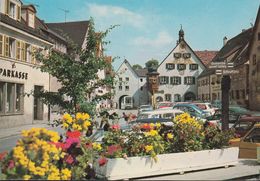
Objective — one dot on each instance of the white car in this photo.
(206, 107)
(144, 108)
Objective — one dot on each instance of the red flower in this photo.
(146, 126)
(116, 127)
(88, 145)
(102, 161)
(2, 155)
(73, 134)
(59, 145)
(113, 148)
(69, 159)
(11, 164)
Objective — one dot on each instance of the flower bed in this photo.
(133, 167)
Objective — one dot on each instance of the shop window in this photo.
(11, 98)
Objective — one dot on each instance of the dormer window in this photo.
(177, 55)
(12, 10)
(31, 19)
(186, 55)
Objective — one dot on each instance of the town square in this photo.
(129, 89)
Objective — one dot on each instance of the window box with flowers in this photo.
(151, 149)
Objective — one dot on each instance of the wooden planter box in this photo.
(119, 168)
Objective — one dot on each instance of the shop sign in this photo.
(13, 74)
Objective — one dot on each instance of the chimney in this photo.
(225, 41)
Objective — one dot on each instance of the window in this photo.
(12, 10)
(127, 88)
(181, 66)
(11, 98)
(175, 80)
(186, 55)
(177, 98)
(164, 80)
(28, 52)
(11, 48)
(31, 20)
(120, 87)
(120, 79)
(6, 46)
(170, 66)
(243, 93)
(23, 51)
(141, 80)
(18, 17)
(194, 66)
(168, 97)
(1, 45)
(189, 80)
(127, 78)
(141, 88)
(177, 55)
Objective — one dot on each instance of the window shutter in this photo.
(18, 50)
(185, 80)
(167, 80)
(23, 51)
(33, 61)
(1, 45)
(7, 7)
(6, 46)
(193, 80)
(18, 8)
(179, 80)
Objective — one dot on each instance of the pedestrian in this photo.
(125, 117)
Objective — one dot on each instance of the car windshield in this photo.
(146, 106)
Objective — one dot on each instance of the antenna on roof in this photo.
(65, 12)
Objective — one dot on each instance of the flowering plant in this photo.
(36, 157)
(81, 122)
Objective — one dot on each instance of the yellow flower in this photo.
(169, 136)
(85, 116)
(158, 125)
(65, 174)
(148, 148)
(96, 146)
(78, 116)
(65, 125)
(86, 124)
(152, 125)
(66, 116)
(153, 133)
(26, 177)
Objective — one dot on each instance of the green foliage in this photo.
(88, 107)
(77, 70)
(152, 64)
(137, 66)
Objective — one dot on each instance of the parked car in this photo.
(244, 124)
(193, 110)
(235, 112)
(165, 121)
(161, 105)
(249, 143)
(144, 108)
(160, 113)
(206, 107)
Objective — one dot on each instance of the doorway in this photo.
(37, 104)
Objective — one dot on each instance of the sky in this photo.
(148, 29)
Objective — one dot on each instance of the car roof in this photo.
(164, 111)
(250, 118)
(151, 120)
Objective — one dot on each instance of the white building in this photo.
(178, 73)
(130, 89)
(20, 36)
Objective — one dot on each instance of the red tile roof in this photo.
(206, 56)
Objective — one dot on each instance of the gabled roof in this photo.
(188, 47)
(76, 30)
(257, 20)
(141, 72)
(23, 26)
(207, 71)
(235, 48)
(206, 56)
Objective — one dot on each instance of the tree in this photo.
(137, 66)
(76, 71)
(152, 64)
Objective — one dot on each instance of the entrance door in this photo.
(38, 104)
(189, 96)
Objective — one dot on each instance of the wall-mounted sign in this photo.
(13, 74)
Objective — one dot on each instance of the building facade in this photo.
(254, 66)
(178, 73)
(130, 89)
(20, 38)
